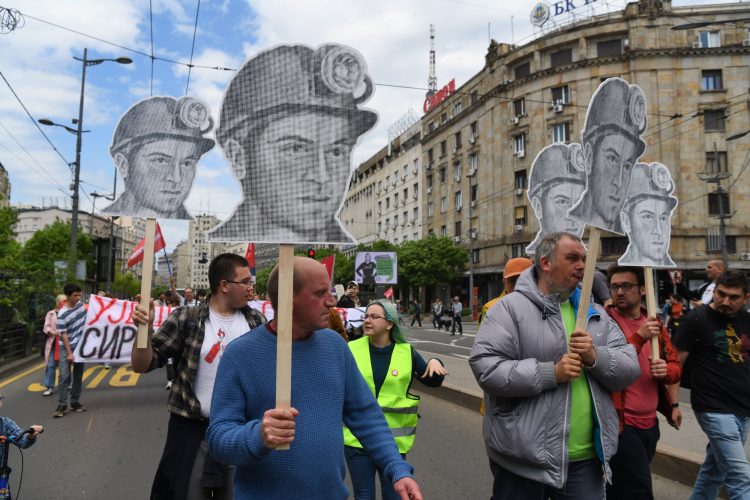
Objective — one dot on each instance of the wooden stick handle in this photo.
(141, 340)
(284, 330)
(648, 276)
(588, 276)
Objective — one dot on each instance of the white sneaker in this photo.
(48, 392)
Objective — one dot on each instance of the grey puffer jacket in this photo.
(527, 413)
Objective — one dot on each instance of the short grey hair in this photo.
(548, 246)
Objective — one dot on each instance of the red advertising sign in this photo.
(439, 96)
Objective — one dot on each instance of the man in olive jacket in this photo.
(550, 426)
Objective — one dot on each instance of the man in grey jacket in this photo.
(550, 427)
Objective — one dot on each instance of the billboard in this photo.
(376, 268)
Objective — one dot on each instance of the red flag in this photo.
(250, 258)
(137, 255)
(329, 262)
(388, 294)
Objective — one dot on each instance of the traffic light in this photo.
(311, 252)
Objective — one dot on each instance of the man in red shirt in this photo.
(656, 388)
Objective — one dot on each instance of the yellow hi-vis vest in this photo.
(399, 407)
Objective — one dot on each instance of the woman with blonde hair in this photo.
(52, 346)
(388, 364)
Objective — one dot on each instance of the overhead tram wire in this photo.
(192, 48)
(151, 28)
(44, 173)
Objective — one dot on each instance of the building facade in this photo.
(478, 144)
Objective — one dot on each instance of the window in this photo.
(710, 39)
(561, 132)
(387, 203)
(519, 107)
(395, 221)
(716, 161)
(380, 207)
(474, 130)
(457, 228)
(713, 120)
(443, 117)
(406, 171)
(718, 204)
(443, 148)
(518, 249)
(395, 199)
(443, 204)
(609, 48)
(560, 58)
(429, 182)
(711, 79)
(415, 190)
(459, 198)
(431, 127)
(522, 70)
(415, 213)
(457, 137)
(430, 209)
(474, 96)
(519, 179)
(474, 193)
(430, 156)
(457, 171)
(387, 224)
(560, 95)
(406, 194)
(405, 217)
(473, 163)
(715, 246)
(415, 168)
(519, 215)
(475, 256)
(457, 109)
(443, 231)
(614, 246)
(519, 142)
(442, 174)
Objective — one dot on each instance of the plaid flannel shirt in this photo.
(180, 337)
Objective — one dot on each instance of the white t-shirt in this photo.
(219, 331)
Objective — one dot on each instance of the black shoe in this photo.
(60, 412)
(77, 407)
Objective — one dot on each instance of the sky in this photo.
(41, 78)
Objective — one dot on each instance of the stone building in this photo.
(479, 143)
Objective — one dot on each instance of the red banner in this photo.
(250, 258)
(388, 294)
(329, 262)
(137, 255)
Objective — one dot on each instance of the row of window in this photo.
(457, 143)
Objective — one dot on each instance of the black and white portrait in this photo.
(289, 122)
(156, 148)
(646, 217)
(612, 144)
(556, 181)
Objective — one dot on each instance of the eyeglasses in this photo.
(245, 282)
(625, 287)
(373, 316)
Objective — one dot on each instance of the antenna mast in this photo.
(432, 80)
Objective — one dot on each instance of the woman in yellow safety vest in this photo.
(388, 363)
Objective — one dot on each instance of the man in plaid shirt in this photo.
(195, 337)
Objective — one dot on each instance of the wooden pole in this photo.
(588, 276)
(648, 275)
(141, 341)
(284, 330)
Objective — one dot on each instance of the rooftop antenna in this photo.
(432, 80)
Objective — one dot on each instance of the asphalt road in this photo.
(112, 450)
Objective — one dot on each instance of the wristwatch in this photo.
(675, 405)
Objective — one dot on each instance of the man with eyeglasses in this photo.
(195, 337)
(656, 389)
(713, 344)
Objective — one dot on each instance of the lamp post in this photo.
(96, 195)
(77, 164)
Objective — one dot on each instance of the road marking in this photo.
(22, 375)
(415, 341)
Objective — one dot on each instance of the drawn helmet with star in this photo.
(650, 181)
(556, 164)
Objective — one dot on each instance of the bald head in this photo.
(305, 269)
(714, 268)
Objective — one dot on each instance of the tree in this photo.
(430, 261)
(125, 286)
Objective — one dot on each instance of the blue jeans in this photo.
(65, 373)
(726, 462)
(585, 481)
(362, 471)
(49, 371)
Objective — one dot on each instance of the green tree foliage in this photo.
(261, 278)
(125, 286)
(430, 261)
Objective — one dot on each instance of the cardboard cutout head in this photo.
(289, 121)
(556, 182)
(156, 147)
(646, 217)
(612, 144)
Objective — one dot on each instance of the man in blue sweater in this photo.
(327, 389)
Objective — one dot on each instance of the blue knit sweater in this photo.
(327, 389)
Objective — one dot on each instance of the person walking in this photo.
(52, 346)
(389, 364)
(456, 309)
(71, 319)
(417, 313)
(437, 312)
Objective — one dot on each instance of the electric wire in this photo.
(192, 48)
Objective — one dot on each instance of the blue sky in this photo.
(38, 64)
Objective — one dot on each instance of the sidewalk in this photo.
(679, 453)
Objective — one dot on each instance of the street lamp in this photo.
(93, 208)
(79, 132)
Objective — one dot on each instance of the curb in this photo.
(19, 365)
(669, 462)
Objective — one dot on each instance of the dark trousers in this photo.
(585, 481)
(457, 321)
(418, 318)
(631, 465)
